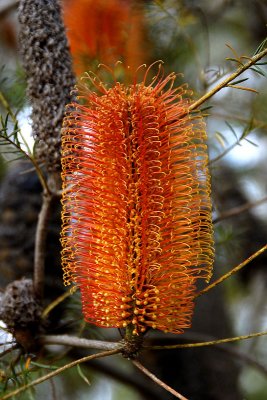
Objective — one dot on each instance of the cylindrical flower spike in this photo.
(136, 205)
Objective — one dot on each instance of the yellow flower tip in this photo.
(137, 230)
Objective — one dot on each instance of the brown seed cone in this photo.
(47, 62)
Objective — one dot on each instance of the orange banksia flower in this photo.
(136, 230)
(105, 30)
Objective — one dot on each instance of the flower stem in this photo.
(131, 343)
(252, 61)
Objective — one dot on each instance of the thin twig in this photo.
(238, 210)
(158, 381)
(9, 341)
(223, 154)
(246, 358)
(206, 343)
(226, 348)
(80, 342)
(53, 389)
(40, 245)
(231, 272)
(57, 301)
(230, 78)
(255, 122)
(9, 350)
(7, 107)
(59, 371)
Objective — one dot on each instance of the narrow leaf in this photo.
(206, 108)
(234, 60)
(232, 130)
(221, 139)
(259, 71)
(239, 81)
(250, 141)
(243, 88)
(260, 47)
(80, 372)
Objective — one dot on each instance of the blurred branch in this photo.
(9, 350)
(238, 210)
(40, 245)
(80, 342)
(255, 122)
(246, 358)
(226, 151)
(252, 61)
(7, 5)
(158, 381)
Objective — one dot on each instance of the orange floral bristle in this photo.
(137, 230)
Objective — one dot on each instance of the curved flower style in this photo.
(136, 205)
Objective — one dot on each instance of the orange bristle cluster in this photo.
(105, 30)
(136, 205)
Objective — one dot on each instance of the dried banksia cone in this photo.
(137, 229)
(47, 63)
(21, 312)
